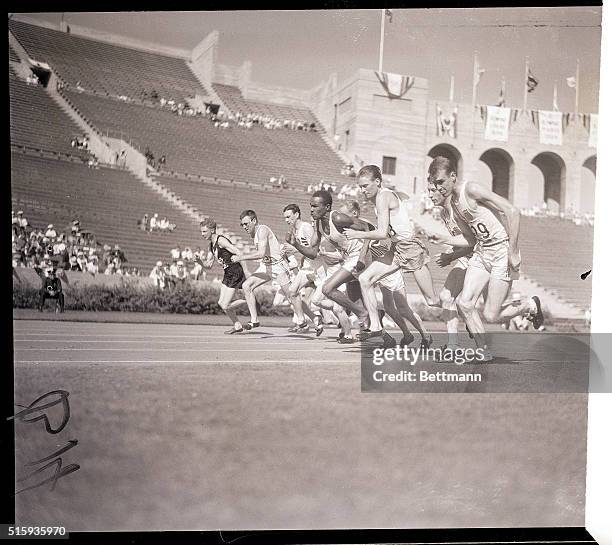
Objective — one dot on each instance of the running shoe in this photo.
(426, 343)
(318, 329)
(251, 325)
(388, 340)
(302, 328)
(346, 340)
(233, 330)
(366, 334)
(407, 341)
(537, 317)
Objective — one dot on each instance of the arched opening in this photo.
(587, 185)
(552, 168)
(501, 165)
(450, 152)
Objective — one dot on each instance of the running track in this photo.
(180, 427)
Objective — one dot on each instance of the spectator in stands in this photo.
(283, 182)
(118, 255)
(73, 264)
(144, 223)
(82, 261)
(92, 265)
(187, 254)
(197, 272)
(23, 221)
(153, 226)
(161, 162)
(51, 289)
(110, 269)
(164, 224)
(51, 233)
(274, 181)
(149, 156)
(175, 253)
(180, 273)
(158, 275)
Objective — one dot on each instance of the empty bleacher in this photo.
(108, 202)
(105, 67)
(233, 99)
(36, 121)
(555, 253)
(194, 145)
(13, 57)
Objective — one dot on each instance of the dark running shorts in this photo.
(410, 255)
(233, 277)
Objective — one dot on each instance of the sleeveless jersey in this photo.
(339, 240)
(272, 253)
(401, 227)
(487, 229)
(304, 234)
(223, 255)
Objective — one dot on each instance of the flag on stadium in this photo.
(389, 14)
(555, 103)
(571, 82)
(532, 82)
(501, 102)
(395, 85)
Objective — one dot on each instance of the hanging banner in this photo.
(551, 129)
(498, 121)
(593, 131)
(446, 124)
(395, 85)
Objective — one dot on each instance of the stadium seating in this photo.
(107, 201)
(546, 246)
(105, 67)
(38, 122)
(13, 57)
(233, 99)
(194, 145)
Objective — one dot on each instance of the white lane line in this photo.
(105, 341)
(143, 336)
(308, 362)
(144, 349)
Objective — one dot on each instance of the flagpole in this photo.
(474, 78)
(451, 93)
(555, 105)
(577, 84)
(382, 40)
(525, 83)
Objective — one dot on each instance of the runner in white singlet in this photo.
(273, 266)
(328, 227)
(409, 253)
(302, 285)
(454, 281)
(490, 224)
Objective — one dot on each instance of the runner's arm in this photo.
(382, 229)
(259, 253)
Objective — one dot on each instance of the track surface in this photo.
(181, 428)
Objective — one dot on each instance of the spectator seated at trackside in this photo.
(164, 224)
(175, 253)
(179, 272)
(51, 289)
(143, 223)
(153, 224)
(158, 274)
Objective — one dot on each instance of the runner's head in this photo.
(248, 221)
(320, 204)
(369, 180)
(435, 195)
(442, 174)
(208, 226)
(351, 208)
(291, 213)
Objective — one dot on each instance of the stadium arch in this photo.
(588, 173)
(501, 165)
(553, 169)
(450, 152)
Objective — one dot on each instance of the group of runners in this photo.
(342, 263)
